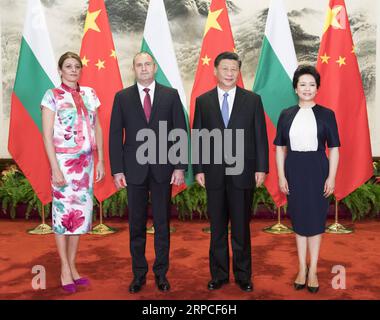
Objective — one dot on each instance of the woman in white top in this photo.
(305, 173)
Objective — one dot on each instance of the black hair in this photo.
(306, 69)
(227, 55)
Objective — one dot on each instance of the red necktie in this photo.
(147, 104)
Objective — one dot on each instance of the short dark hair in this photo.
(306, 69)
(140, 53)
(68, 55)
(227, 55)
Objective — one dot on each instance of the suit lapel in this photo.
(137, 102)
(237, 106)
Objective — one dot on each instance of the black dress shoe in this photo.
(300, 286)
(136, 285)
(162, 283)
(313, 289)
(245, 285)
(216, 284)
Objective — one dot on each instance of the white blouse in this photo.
(303, 131)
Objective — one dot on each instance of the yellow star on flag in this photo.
(341, 61)
(113, 54)
(353, 50)
(325, 58)
(100, 64)
(206, 60)
(85, 61)
(212, 21)
(91, 21)
(331, 19)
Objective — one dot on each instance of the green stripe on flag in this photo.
(162, 79)
(271, 82)
(31, 83)
(160, 76)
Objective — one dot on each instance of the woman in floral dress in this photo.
(71, 133)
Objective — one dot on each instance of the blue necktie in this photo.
(225, 112)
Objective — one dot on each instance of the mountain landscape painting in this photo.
(187, 18)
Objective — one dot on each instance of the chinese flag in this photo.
(101, 72)
(342, 91)
(217, 38)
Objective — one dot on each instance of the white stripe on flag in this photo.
(37, 36)
(157, 36)
(281, 38)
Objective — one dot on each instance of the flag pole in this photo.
(102, 228)
(43, 228)
(336, 227)
(278, 228)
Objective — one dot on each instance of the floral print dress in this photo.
(74, 141)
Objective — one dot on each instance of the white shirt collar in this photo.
(231, 92)
(142, 93)
(152, 86)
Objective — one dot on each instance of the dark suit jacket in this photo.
(247, 114)
(128, 117)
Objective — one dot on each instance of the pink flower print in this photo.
(81, 184)
(66, 105)
(69, 133)
(78, 133)
(58, 94)
(57, 141)
(94, 96)
(74, 199)
(78, 164)
(73, 220)
(58, 195)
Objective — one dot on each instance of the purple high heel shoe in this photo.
(70, 288)
(82, 282)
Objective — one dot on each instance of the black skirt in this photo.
(306, 173)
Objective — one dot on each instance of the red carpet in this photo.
(106, 261)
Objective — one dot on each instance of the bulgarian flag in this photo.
(36, 73)
(158, 42)
(217, 38)
(342, 91)
(101, 72)
(273, 82)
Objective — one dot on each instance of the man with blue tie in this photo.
(229, 196)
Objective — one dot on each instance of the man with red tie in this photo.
(145, 107)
